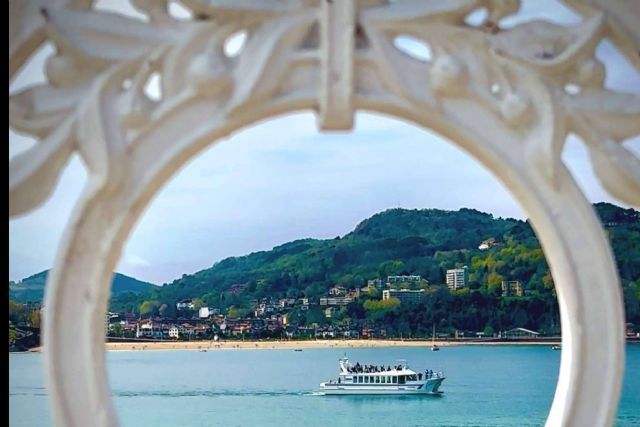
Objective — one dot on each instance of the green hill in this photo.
(425, 242)
(32, 288)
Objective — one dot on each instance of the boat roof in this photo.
(404, 369)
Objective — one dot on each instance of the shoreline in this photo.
(299, 345)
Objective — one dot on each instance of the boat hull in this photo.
(429, 387)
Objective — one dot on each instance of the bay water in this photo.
(484, 386)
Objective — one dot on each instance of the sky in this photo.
(282, 180)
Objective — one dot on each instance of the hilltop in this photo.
(31, 289)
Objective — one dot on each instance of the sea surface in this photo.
(484, 386)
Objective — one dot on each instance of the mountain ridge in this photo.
(31, 288)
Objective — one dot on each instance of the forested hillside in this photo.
(401, 242)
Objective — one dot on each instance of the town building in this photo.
(457, 278)
(237, 288)
(264, 308)
(329, 312)
(354, 293)
(286, 302)
(519, 333)
(376, 283)
(337, 291)
(174, 332)
(512, 288)
(404, 295)
(486, 244)
(107, 317)
(402, 280)
(185, 304)
(335, 300)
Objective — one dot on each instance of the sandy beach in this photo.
(291, 345)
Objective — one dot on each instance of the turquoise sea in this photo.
(485, 386)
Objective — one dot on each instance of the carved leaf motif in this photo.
(27, 27)
(550, 47)
(398, 15)
(266, 56)
(250, 8)
(156, 10)
(618, 170)
(599, 118)
(101, 140)
(204, 40)
(38, 110)
(405, 76)
(544, 147)
(107, 36)
(34, 173)
(613, 114)
(622, 24)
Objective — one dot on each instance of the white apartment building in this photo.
(457, 278)
(404, 295)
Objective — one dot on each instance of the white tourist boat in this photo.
(370, 379)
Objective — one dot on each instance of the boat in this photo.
(556, 347)
(434, 346)
(377, 380)
(297, 349)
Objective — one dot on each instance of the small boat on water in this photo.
(434, 346)
(556, 347)
(297, 349)
(370, 379)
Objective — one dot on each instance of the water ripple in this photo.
(207, 393)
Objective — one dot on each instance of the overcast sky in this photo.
(282, 180)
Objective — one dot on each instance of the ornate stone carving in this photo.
(508, 97)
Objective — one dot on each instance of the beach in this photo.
(302, 344)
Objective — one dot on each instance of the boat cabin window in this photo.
(359, 379)
(366, 380)
(412, 378)
(395, 380)
(401, 379)
(377, 379)
(384, 380)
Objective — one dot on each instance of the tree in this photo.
(13, 335)
(17, 312)
(34, 318)
(197, 303)
(167, 310)
(488, 331)
(115, 330)
(237, 312)
(494, 280)
(148, 309)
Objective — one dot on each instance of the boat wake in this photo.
(206, 393)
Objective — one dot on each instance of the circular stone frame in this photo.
(293, 60)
